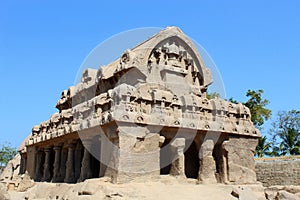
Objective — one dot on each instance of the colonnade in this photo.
(195, 162)
(68, 162)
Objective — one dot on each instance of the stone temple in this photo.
(144, 115)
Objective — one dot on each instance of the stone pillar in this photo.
(86, 170)
(39, 166)
(70, 175)
(47, 165)
(112, 159)
(23, 164)
(56, 166)
(106, 153)
(31, 161)
(240, 160)
(102, 166)
(63, 160)
(78, 158)
(177, 167)
(207, 170)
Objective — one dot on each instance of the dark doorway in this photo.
(166, 157)
(191, 161)
(95, 167)
(95, 156)
(40, 166)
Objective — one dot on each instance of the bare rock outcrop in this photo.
(3, 193)
(282, 192)
(284, 195)
(167, 187)
(24, 183)
(12, 169)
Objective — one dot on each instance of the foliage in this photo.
(286, 133)
(233, 100)
(212, 95)
(263, 147)
(256, 104)
(6, 154)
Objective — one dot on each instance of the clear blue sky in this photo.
(255, 45)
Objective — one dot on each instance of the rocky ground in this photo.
(167, 187)
(18, 187)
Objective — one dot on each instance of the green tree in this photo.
(263, 147)
(276, 150)
(286, 133)
(212, 95)
(6, 154)
(233, 100)
(257, 106)
(259, 114)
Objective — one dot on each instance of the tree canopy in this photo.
(257, 105)
(212, 95)
(285, 133)
(263, 147)
(6, 154)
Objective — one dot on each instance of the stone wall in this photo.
(278, 171)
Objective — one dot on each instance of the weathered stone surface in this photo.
(88, 188)
(7, 173)
(270, 194)
(240, 152)
(3, 193)
(283, 171)
(177, 166)
(207, 172)
(282, 191)
(167, 187)
(25, 183)
(12, 169)
(292, 189)
(138, 155)
(2, 197)
(243, 193)
(284, 195)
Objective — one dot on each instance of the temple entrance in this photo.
(95, 167)
(166, 157)
(39, 171)
(94, 162)
(191, 161)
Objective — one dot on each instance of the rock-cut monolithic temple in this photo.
(144, 115)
